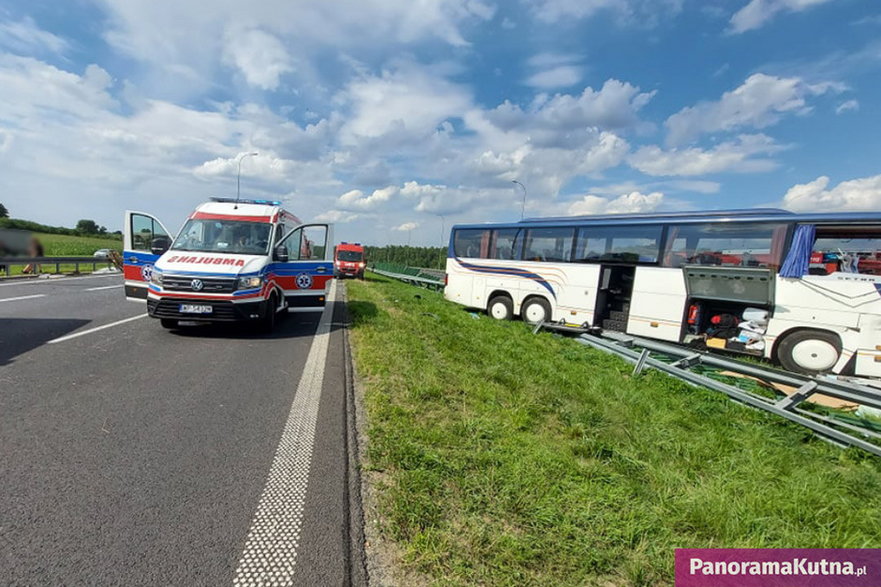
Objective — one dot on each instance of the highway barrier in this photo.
(6, 263)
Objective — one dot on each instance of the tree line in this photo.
(84, 227)
(427, 257)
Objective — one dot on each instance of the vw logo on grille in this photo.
(197, 285)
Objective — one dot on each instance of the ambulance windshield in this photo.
(224, 236)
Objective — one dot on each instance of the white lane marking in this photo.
(304, 310)
(91, 330)
(23, 298)
(104, 287)
(271, 547)
(38, 280)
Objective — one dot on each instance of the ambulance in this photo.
(233, 261)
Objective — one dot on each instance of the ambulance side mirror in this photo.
(159, 245)
(281, 254)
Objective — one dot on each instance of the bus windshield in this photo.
(349, 255)
(224, 236)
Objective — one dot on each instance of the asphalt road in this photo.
(133, 455)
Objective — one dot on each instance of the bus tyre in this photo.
(535, 310)
(809, 351)
(268, 323)
(500, 308)
(168, 322)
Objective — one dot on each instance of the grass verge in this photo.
(512, 459)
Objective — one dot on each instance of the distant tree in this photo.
(102, 230)
(4, 213)
(87, 227)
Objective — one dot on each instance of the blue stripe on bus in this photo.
(515, 271)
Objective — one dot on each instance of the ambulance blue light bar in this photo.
(243, 201)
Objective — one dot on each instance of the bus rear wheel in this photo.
(810, 352)
(535, 310)
(500, 308)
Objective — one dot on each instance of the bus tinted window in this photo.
(472, 242)
(746, 245)
(549, 244)
(627, 244)
(504, 244)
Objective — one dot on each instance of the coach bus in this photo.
(800, 289)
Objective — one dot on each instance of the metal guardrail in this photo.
(7, 262)
(639, 351)
(427, 282)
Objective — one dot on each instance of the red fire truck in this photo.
(349, 261)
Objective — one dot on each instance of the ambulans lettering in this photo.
(207, 260)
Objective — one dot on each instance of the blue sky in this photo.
(393, 118)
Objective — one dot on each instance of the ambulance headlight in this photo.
(156, 277)
(250, 282)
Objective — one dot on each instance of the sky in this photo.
(395, 119)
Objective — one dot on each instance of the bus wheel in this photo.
(168, 322)
(500, 308)
(809, 351)
(535, 310)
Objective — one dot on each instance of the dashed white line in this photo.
(104, 287)
(91, 330)
(38, 280)
(23, 298)
(271, 547)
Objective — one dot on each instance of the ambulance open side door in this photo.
(144, 241)
(303, 264)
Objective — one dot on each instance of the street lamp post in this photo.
(239, 174)
(522, 207)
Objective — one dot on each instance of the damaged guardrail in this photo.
(791, 390)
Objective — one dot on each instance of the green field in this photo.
(505, 458)
(62, 245)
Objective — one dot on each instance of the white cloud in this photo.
(614, 106)
(183, 44)
(757, 13)
(337, 216)
(759, 102)
(741, 155)
(407, 226)
(561, 76)
(856, 194)
(631, 203)
(358, 200)
(260, 56)
(630, 12)
(847, 105)
(408, 102)
(25, 37)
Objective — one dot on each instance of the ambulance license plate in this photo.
(195, 309)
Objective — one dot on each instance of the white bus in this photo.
(800, 289)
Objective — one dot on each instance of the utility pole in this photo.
(239, 175)
(523, 206)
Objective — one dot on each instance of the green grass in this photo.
(62, 245)
(503, 458)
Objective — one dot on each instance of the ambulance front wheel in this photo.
(268, 323)
(168, 323)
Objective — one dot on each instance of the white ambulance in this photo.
(233, 261)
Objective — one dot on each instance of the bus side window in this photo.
(504, 244)
(851, 249)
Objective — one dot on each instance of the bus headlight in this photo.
(250, 282)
